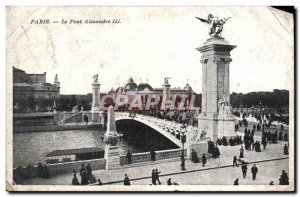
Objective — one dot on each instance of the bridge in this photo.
(169, 129)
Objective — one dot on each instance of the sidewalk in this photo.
(273, 152)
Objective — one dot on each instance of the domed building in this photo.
(130, 86)
(131, 90)
(187, 87)
(144, 87)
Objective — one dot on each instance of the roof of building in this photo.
(119, 90)
(111, 91)
(143, 86)
(74, 151)
(17, 69)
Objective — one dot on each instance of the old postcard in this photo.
(150, 98)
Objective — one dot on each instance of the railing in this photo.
(146, 156)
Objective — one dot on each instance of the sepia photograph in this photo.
(150, 98)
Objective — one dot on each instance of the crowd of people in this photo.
(195, 159)
(39, 171)
(86, 174)
(184, 116)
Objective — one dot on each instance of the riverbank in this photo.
(59, 127)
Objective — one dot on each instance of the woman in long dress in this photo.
(75, 180)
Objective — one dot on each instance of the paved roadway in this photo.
(210, 174)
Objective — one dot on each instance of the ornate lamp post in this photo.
(183, 140)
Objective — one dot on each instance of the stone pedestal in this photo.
(112, 151)
(215, 87)
(112, 155)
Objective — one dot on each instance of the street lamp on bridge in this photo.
(183, 140)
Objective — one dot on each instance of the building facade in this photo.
(31, 92)
(144, 90)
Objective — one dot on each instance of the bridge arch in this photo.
(166, 129)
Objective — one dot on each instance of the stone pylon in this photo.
(96, 100)
(214, 119)
(112, 151)
(111, 131)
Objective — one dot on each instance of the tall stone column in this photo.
(166, 94)
(95, 99)
(215, 88)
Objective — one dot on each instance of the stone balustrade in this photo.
(146, 156)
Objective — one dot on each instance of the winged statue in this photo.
(215, 25)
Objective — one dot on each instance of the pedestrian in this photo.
(40, 170)
(75, 180)
(236, 182)
(286, 138)
(81, 169)
(203, 159)
(156, 174)
(271, 183)
(100, 182)
(85, 118)
(284, 179)
(152, 153)
(264, 143)
(153, 177)
(244, 170)
(235, 162)
(84, 178)
(241, 152)
(126, 180)
(169, 182)
(217, 152)
(88, 169)
(90, 175)
(285, 150)
(254, 171)
(129, 155)
(46, 173)
(194, 155)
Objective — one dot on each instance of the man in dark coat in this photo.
(153, 177)
(241, 152)
(285, 150)
(156, 175)
(40, 170)
(129, 155)
(235, 162)
(254, 171)
(286, 138)
(203, 159)
(152, 153)
(46, 173)
(244, 170)
(126, 180)
(264, 143)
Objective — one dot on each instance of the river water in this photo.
(31, 148)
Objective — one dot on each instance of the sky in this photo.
(149, 44)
